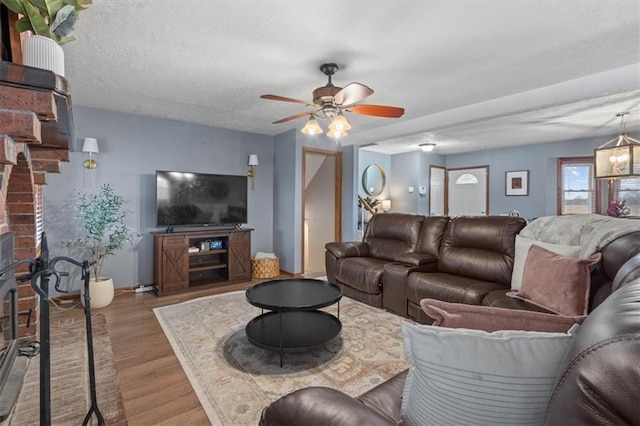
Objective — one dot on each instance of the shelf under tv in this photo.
(177, 268)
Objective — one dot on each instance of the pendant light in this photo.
(619, 157)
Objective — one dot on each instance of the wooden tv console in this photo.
(179, 264)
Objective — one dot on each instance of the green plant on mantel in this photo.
(103, 218)
(55, 19)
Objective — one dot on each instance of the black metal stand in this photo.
(43, 269)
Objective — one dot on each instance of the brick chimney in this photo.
(36, 130)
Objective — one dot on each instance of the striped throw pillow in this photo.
(461, 376)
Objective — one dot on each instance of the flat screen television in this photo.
(200, 199)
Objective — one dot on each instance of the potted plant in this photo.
(52, 23)
(103, 218)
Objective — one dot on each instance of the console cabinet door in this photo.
(174, 261)
(239, 255)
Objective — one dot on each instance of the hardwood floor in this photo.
(155, 389)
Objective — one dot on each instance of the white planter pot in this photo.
(101, 292)
(44, 53)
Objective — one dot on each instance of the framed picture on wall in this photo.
(517, 182)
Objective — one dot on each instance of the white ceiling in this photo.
(471, 74)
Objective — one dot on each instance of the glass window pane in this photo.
(576, 202)
(577, 186)
(628, 190)
(576, 178)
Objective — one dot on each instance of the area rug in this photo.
(235, 380)
(70, 396)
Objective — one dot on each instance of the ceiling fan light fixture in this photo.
(427, 147)
(329, 102)
(312, 127)
(336, 134)
(340, 122)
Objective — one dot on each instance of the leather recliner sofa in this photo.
(358, 266)
(476, 257)
(596, 383)
(404, 258)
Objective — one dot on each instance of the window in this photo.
(467, 179)
(578, 192)
(628, 190)
(39, 214)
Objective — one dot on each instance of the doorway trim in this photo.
(337, 192)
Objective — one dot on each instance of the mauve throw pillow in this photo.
(556, 283)
(522, 251)
(488, 318)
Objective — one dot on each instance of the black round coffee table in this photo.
(294, 323)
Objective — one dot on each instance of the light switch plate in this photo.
(410, 189)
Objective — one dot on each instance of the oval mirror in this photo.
(373, 180)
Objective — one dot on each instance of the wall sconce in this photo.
(90, 145)
(253, 162)
(386, 205)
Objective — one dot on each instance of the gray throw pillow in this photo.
(460, 376)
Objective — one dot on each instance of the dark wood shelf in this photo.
(204, 253)
(208, 281)
(176, 269)
(206, 267)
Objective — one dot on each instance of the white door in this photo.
(467, 192)
(436, 191)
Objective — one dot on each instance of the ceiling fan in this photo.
(331, 101)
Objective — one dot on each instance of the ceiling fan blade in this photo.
(352, 93)
(292, 117)
(283, 99)
(377, 110)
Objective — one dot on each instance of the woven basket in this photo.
(265, 268)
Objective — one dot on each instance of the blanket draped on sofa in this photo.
(590, 232)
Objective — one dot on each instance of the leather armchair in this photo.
(358, 266)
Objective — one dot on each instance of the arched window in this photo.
(466, 179)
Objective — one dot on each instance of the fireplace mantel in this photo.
(45, 94)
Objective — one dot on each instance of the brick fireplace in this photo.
(36, 131)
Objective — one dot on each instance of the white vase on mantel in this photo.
(44, 53)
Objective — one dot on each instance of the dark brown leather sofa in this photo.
(597, 382)
(358, 266)
(475, 258)
(404, 258)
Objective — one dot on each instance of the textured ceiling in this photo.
(470, 74)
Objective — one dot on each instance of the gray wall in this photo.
(284, 199)
(287, 191)
(350, 182)
(132, 148)
(539, 159)
(412, 169)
